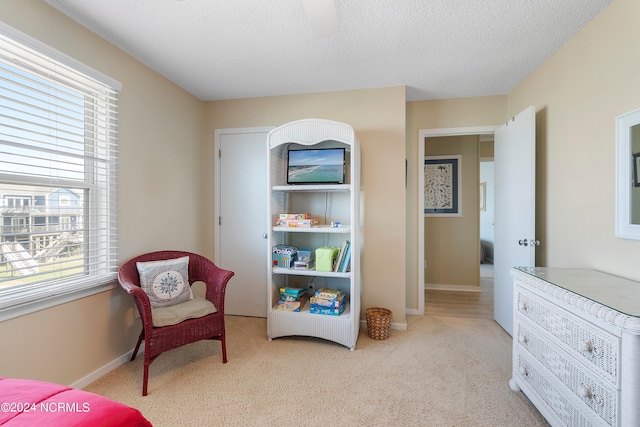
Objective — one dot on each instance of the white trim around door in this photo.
(422, 134)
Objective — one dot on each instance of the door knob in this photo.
(531, 242)
(265, 235)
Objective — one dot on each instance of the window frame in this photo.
(18, 301)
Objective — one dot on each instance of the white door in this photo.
(515, 168)
(241, 203)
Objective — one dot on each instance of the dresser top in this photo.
(617, 293)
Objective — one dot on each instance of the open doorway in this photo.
(486, 298)
(515, 148)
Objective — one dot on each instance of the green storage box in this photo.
(325, 256)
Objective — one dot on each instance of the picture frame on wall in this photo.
(636, 170)
(442, 181)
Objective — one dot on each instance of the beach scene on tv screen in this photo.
(316, 166)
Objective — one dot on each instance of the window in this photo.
(17, 203)
(65, 223)
(18, 224)
(58, 147)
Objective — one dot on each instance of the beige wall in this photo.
(486, 149)
(578, 93)
(378, 118)
(452, 251)
(159, 203)
(438, 114)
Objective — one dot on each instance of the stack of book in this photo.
(331, 302)
(302, 220)
(342, 263)
(292, 299)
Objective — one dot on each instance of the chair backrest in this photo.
(128, 272)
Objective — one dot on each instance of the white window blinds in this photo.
(58, 153)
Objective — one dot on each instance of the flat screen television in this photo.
(316, 166)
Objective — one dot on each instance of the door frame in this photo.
(217, 136)
(422, 134)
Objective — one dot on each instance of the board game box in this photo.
(284, 256)
(328, 293)
(329, 303)
(293, 292)
(314, 309)
(294, 306)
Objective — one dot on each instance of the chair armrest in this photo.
(140, 298)
(214, 278)
(216, 283)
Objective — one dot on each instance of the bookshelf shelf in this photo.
(343, 229)
(303, 272)
(296, 315)
(312, 188)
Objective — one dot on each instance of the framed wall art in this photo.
(442, 180)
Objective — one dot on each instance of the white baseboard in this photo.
(412, 311)
(456, 288)
(394, 326)
(104, 370)
(399, 326)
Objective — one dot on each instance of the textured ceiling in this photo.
(227, 49)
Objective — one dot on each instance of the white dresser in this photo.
(576, 345)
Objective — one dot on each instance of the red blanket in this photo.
(35, 403)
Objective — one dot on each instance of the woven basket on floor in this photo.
(378, 322)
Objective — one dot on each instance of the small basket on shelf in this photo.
(378, 322)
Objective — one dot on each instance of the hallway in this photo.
(475, 305)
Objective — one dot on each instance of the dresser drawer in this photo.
(566, 410)
(597, 395)
(589, 344)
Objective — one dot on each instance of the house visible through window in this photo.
(58, 141)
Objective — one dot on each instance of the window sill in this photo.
(19, 303)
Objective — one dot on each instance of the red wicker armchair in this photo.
(161, 339)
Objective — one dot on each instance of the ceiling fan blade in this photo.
(322, 17)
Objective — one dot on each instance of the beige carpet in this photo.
(442, 371)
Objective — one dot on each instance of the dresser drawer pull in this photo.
(522, 339)
(523, 306)
(591, 349)
(524, 371)
(585, 393)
